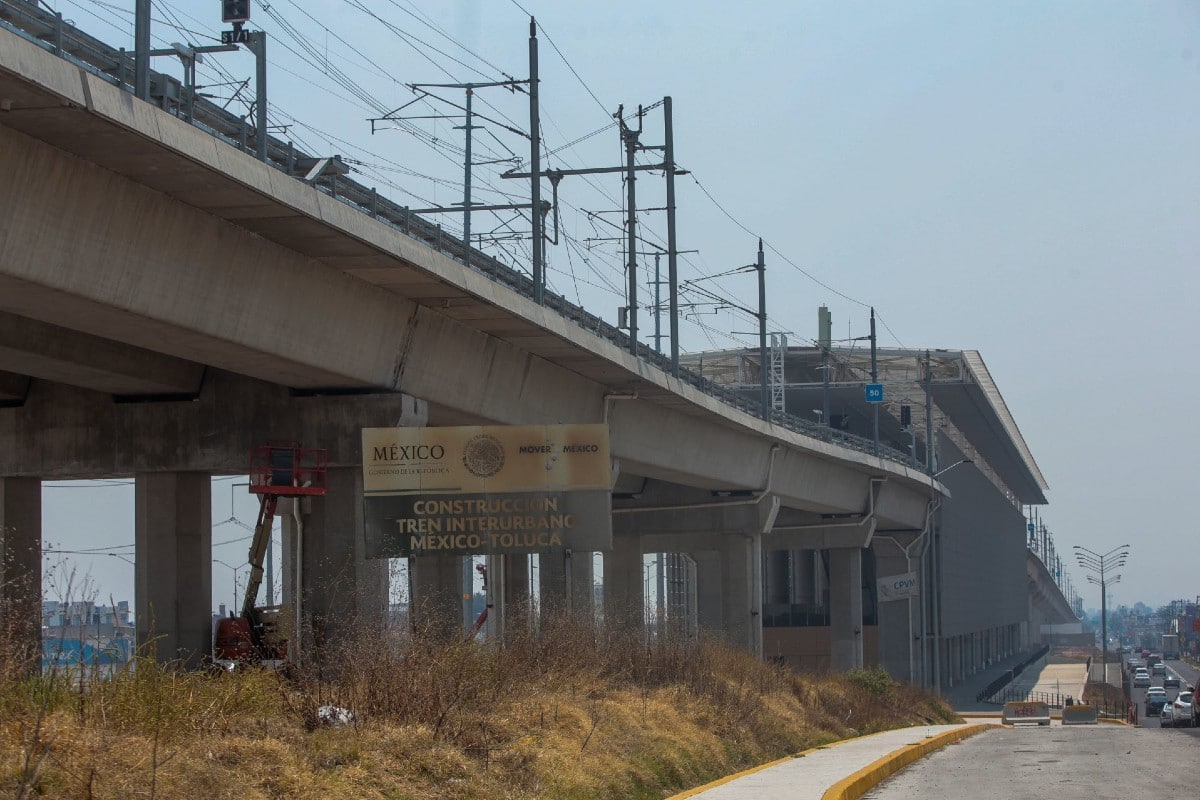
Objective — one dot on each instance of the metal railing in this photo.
(1008, 676)
(116, 66)
(1017, 695)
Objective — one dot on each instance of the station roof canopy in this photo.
(964, 395)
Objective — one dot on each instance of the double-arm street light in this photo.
(1102, 564)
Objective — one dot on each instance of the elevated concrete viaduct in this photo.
(167, 301)
(941, 601)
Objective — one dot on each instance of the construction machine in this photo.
(256, 636)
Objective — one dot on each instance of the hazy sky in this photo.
(1019, 178)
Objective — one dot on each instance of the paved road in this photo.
(1187, 676)
(1100, 762)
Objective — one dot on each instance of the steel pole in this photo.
(874, 379)
(932, 594)
(535, 167)
(467, 184)
(764, 399)
(259, 38)
(657, 303)
(141, 49)
(672, 248)
(631, 223)
(1103, 625)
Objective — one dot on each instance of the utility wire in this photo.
(787, 260)
(550, 39)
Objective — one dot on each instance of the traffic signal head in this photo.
(235, 10)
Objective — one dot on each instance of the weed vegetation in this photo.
(573, 712)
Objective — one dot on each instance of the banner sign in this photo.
(897, 587)
(486, 489)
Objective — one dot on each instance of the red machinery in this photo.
(277, 469)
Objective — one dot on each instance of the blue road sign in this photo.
(874, 392)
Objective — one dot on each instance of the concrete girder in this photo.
(122, 261)
(50, 352)
(897, 506)
(822, 537)
(235, 301)
(740, 517)
(1045, 593)
(66, 432)
(13, 388)
(802, 480)
(827, 534)
(731, 458)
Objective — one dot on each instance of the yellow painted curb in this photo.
(728, 778)
(859, 783)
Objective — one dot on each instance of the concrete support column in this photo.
(344, 594)
(681, 595)
(624, 604)
(496, 599)
(709, 614)
(896, 627)
(21, 568)
(173, 565)
(845, 608)
(517, 597)
(552, 583)
(741, 576)
(437, 593)
(777, 579)
(565, 583)
(582, 570)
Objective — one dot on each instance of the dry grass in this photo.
(572, 714)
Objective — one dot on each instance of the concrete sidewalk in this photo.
(849, 768)
(961, 697)
(835, 771)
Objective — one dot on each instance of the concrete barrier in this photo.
(1080, 715)
(1028, 711)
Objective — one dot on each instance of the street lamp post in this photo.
(1101, 565)
(935, 584)
(234, 569)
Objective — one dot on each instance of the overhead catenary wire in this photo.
(305, 48)
(570, 66)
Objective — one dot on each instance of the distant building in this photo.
(84, 633)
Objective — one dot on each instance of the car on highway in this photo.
(1141, 678)
(1156, 698)
(1166, 717)
(1181, 710)
(1159, 668)
(1172, 680)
